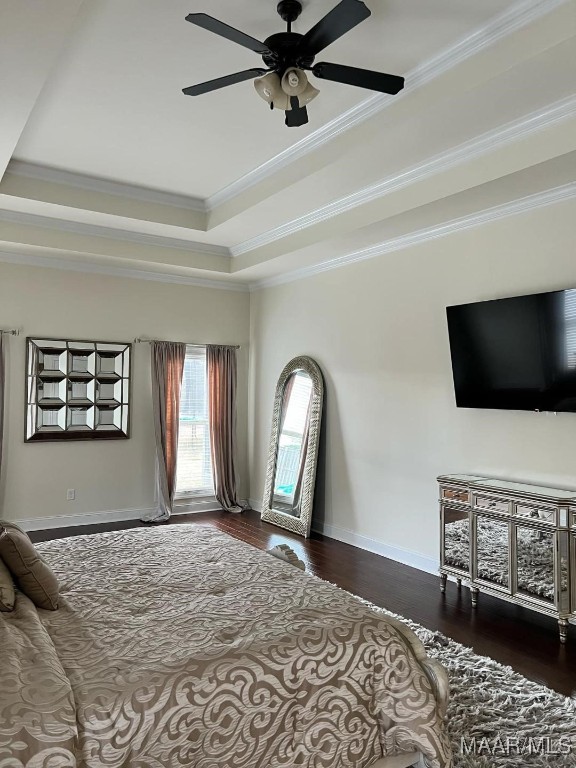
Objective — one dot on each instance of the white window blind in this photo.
(194, 469)
(570, 328)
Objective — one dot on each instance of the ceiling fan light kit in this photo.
(287, 55)
(278, 93)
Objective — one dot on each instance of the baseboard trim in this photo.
(107, 516)
(399, 554)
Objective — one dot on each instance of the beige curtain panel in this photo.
(222, 375)
(167, 359)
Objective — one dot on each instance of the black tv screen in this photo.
(517, 353)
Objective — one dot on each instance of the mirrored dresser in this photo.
(512, 540)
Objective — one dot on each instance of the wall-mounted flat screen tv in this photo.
(517, 353)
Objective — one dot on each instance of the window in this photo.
(194, 470)
(570, 328)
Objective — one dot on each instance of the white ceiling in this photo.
(112, 166)
(113, 105)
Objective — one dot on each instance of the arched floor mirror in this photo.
(291, 470)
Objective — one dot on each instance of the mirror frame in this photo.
(300, 525)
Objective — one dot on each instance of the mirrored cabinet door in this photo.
(534, 562)
(492, 543)
(456, 539)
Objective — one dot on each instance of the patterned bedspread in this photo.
(181, 646)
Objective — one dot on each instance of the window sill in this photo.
(187, 503)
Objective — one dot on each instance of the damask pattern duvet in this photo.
(180, 646)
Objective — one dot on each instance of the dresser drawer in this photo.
(492, 504)
(460, 495)
(538, 514)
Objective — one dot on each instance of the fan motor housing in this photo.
(283, 46)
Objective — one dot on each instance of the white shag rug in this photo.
(497, 718)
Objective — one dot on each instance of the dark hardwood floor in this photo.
(512, 635)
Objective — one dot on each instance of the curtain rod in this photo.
(188, 344)
(9, 332)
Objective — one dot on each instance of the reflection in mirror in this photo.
(292, 443)
(492, 545)
(291, 470)
(535, 562)
(569, 336)
(456, 543)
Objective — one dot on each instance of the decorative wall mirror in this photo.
(291, 470)
(77, 390)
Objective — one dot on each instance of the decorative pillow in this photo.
(7, 594)
(31, 573)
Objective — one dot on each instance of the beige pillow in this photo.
(7, 594)
(31, 573)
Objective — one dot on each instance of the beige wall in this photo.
(107, 475)
(378, 331)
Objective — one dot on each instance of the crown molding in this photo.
(72, 264)
(111, 233)
(522, 205)
(505, 210)
(519, 15)
(472, 149)
(104, 186)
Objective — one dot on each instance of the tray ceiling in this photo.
(112, 166)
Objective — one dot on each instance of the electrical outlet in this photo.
(70, 494)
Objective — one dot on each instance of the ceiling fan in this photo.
(287, 55)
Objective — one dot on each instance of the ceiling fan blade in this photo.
(296, 116)
(362, 78)
(222, 82)
(341, 19)
(224, 30)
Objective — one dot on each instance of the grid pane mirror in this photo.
(77, 390)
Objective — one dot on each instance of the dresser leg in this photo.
(474, 596)
(443, 578)
(563, 627)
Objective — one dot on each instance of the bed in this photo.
(182, 646)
